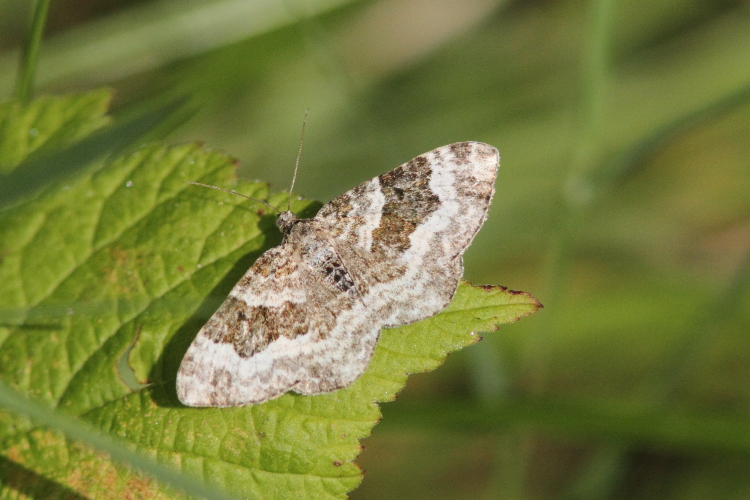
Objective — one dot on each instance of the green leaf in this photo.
(48, 123)
(49, 141)
(106, 280)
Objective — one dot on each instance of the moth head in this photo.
(285, 221)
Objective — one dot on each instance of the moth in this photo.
(307, 315)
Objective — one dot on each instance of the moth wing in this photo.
(277, 331)
(405, 231)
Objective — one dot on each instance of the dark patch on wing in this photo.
(278, 261)
(316, 251)
(250, 329)
(471, 185)
(341, 206)
(408, 201)
(335, 274)
(463, 152)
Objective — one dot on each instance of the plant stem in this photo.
(31, 51)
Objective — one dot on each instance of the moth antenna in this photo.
(234, 192)
(296, 164)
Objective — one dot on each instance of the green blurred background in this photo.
(623, 205)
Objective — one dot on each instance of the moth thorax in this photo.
(285, 221)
